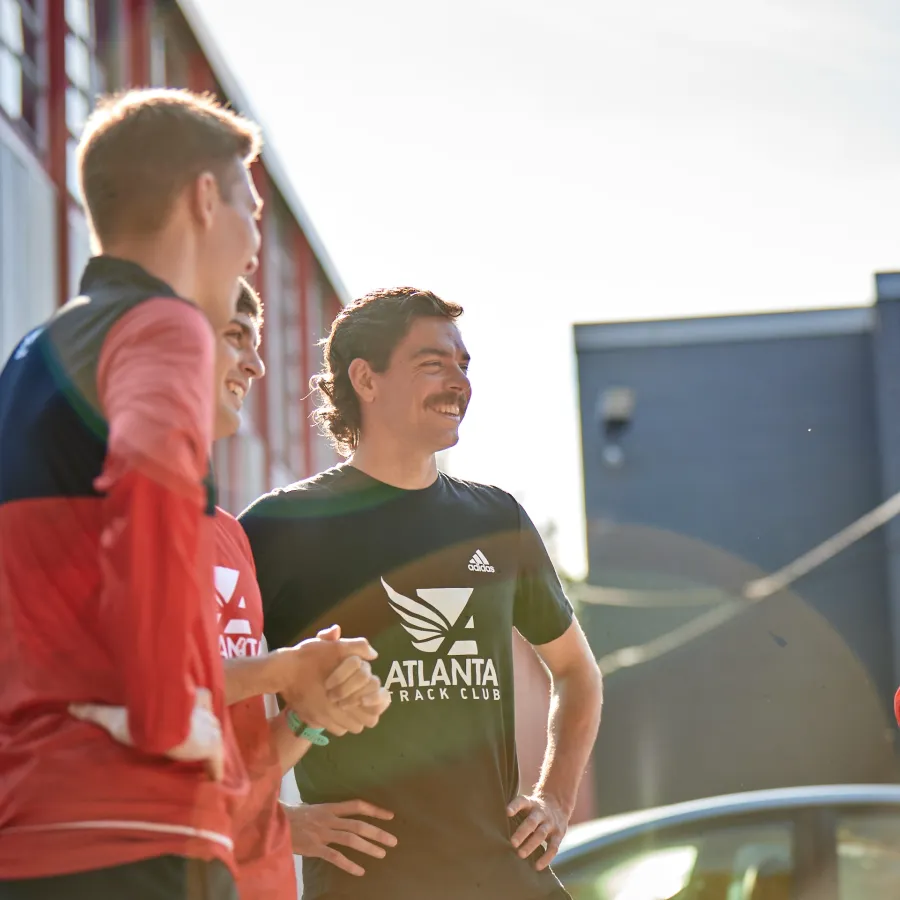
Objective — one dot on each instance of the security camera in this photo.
(615, 408)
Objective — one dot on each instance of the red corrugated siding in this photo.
(58, 133)
(263, 185)
(305, 274)
(136, 27)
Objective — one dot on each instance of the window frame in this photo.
(808, 824)
(829, 826)
(97, 75)
(34, 18)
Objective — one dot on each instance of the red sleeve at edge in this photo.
(155, 383)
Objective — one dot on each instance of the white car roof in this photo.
(600, 831)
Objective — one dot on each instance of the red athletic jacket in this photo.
(262, 835)
(106, 575)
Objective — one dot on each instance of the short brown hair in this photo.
(140, 148)
(369, 328)
(249, 303)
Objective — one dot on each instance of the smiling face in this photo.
(423, 393)
(238, 364)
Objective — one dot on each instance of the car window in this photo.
(740, 862)
(868, 852)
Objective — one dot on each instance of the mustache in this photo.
(451, 398)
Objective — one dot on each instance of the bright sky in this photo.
(545, 163)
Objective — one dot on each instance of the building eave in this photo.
(238, 98)
(724, 329)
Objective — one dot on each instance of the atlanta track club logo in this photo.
(438, 619)
(236, 638)
(431, 621)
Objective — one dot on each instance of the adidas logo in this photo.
(479, 563)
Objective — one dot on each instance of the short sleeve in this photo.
(243, 542)
(256, 526)
(269, 537)
(542, 612)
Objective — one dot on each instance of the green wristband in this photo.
(301, 730)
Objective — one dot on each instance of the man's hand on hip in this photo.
(314, 828)
(545, 824)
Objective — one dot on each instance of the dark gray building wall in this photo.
(743, 452)
(886, 342)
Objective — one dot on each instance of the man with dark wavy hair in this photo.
(436, 572)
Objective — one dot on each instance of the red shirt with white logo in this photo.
(262, 835)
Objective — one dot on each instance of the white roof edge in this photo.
(273, 164)
(725, 329)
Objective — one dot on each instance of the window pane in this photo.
(78, 62)
(10, 84)
(72, 169)
(77, 109)
(31, 45)
(111, 44)
(11, 25)
(752, 861)
(78, 17)
(31, 103)
(868, 848)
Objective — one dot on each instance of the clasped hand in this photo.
(328, 682)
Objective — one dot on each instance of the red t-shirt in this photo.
(262, 835)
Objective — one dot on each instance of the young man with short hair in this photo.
(270, 747)
(106, 522)
(315, 831)
(436, 572)
(346, 696)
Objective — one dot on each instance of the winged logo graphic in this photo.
(431, 619)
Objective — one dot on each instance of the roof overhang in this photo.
(232, 87)
(724, 329)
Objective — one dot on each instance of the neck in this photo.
(394, 464)
(164, 256)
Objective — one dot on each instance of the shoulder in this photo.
(487, 496)
(294, 499)
(164, 334)
(231, 539)
(161, 318)
(227, 524)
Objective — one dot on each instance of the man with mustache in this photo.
(436, 572)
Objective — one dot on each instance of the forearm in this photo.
(289, 748)
(146, 584)
(252, 676)
(154, 386)
(575, 706)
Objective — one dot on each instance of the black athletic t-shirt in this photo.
(436, 579)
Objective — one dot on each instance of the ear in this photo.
(363, 381)
(204, 199)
